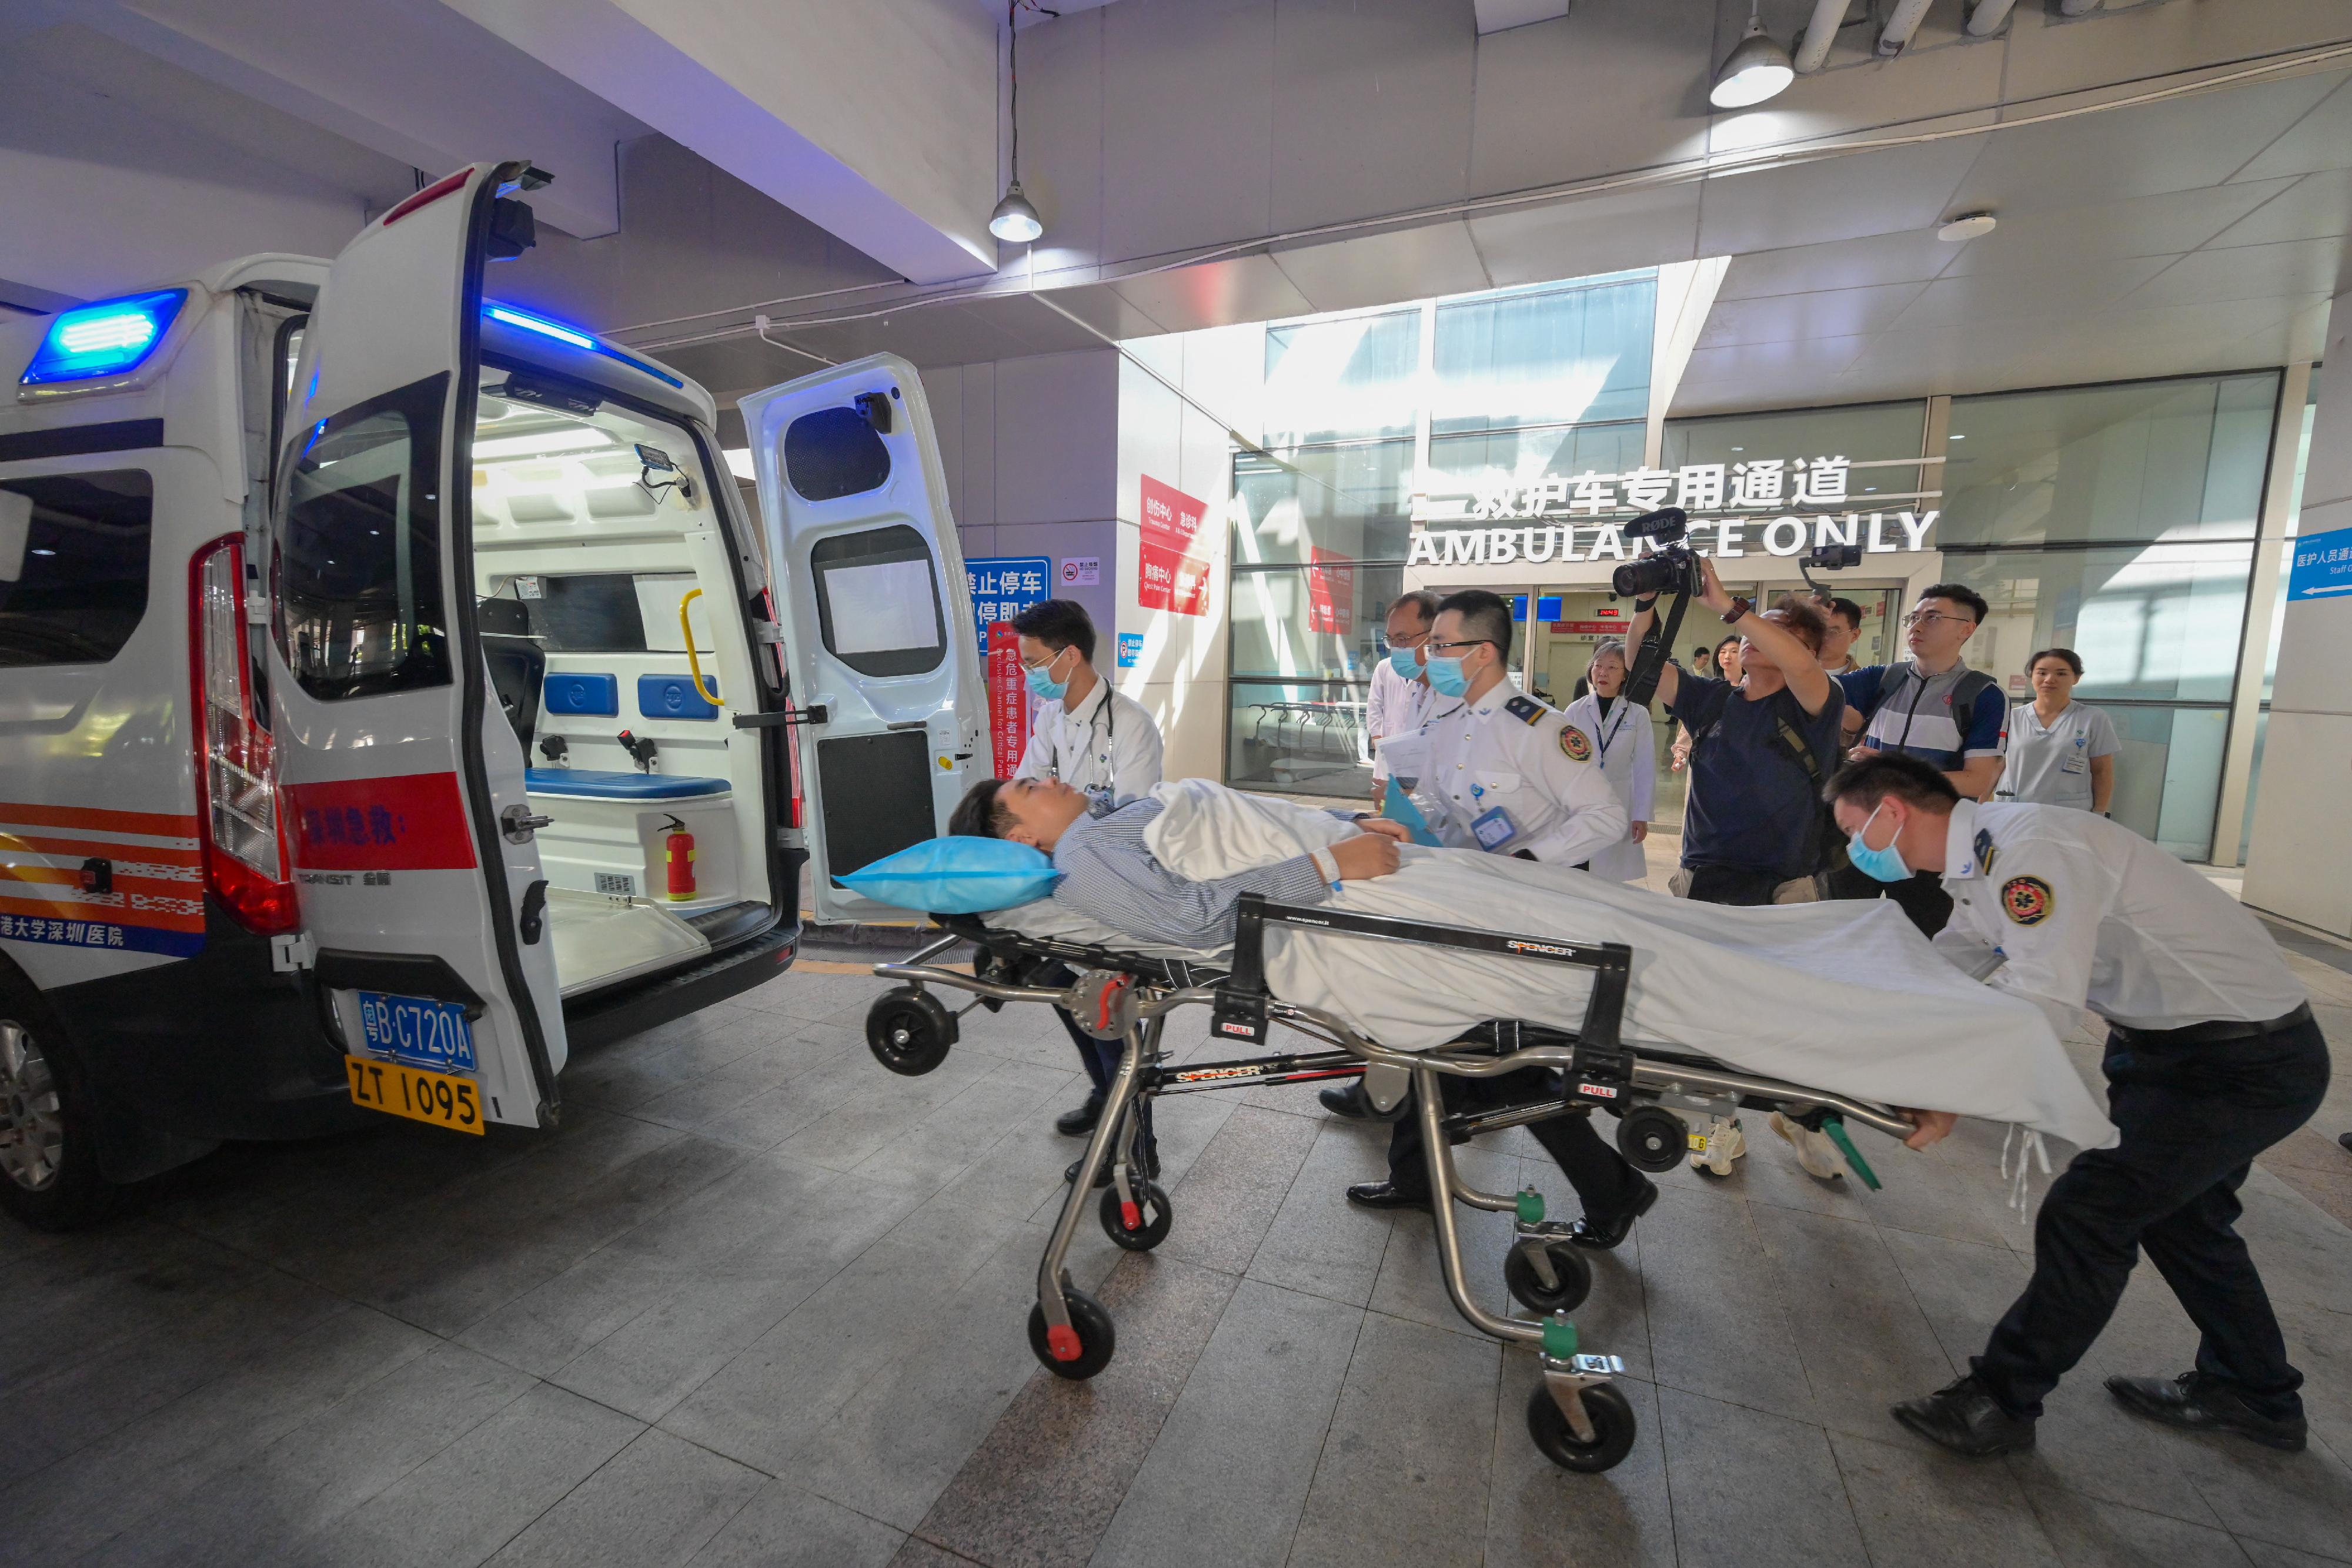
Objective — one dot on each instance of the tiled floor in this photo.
(761, 1302)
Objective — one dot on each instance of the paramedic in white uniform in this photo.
(2212, 1056)
(1099, 743)
(2061, 752)
(1627, 749)
(1400, 698)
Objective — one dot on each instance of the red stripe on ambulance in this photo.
(413, 822)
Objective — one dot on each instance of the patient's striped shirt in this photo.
(1110, 875)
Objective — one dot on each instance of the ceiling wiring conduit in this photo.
(1987, 18)
(1819, 34)
(1901, 24)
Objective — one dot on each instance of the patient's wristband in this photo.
(1326, 867)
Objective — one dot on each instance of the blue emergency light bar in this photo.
(111, 337)
(507, 315)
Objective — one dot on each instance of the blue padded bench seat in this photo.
(596, 784)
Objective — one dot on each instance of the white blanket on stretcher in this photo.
(1843, 996)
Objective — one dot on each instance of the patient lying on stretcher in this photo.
(1844, 997)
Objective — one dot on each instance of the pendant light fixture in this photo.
(1015, 218)
(1757, 68)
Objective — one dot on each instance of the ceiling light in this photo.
(1757, 68)
(1967, 225)
(1014, 218)
(575, 440)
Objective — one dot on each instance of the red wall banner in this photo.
(1170, 575)
(1008, 698)
(1330, 590)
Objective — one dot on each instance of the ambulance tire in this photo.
(46, 1105)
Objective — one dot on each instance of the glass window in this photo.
(73, 565)
(1302, 737)
(1865, 434)
(2253, 785)
(1342, 380)
(2169, 775)
(1479, 464)
(358, 590)
(2156, 622)
(878, 602)
(2148, 460)
(1353, 501)
(1547, 355)
(1327, 621)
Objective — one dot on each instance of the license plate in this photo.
(417, 1031)
(411, 1091)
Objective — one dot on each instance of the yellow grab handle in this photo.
(692, 664)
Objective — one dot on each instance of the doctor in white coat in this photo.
(1627, 749)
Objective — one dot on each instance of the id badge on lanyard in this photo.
(1494, 828)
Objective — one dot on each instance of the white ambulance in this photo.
(394, 697)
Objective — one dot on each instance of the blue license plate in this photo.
(418, 1030)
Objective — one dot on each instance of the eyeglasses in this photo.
(1922, 617)
(1473, 643)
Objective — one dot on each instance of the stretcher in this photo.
(1576, 1414)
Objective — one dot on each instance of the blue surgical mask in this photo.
(1041, 682)
(1446, 677)
(1880, 865)
(1405, 662)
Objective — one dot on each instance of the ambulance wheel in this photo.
(910, 1032)
(1091, 1325)
(49, 1177)
(1529, 1290)
(1153, 1218)
(1652, 1138)
(1611, 1415)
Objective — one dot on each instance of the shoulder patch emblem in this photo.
(1985, 851)
(1525, 709)
(2027, 900)
(1573, 742)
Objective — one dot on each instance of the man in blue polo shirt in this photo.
(1934, 707)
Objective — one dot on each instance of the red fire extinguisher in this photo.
(678, 853)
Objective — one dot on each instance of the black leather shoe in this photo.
(1385, 1195)
(1347, 1101)
(1606, 1234)
(2198, 1403)
(1078, 1123)
(1962, 1416)
(1102, 1177)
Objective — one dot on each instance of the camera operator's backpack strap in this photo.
(1650, 658)
(1824, 850)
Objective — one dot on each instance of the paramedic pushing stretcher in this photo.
(2212, 1056)
(1514, 778)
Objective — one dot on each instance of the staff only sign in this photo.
(1809, 495)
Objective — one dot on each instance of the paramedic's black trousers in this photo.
(1604, 1183)
(2192, 1116)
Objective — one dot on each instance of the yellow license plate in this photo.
(439, 1098)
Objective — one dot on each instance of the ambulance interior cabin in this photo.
(610, 624)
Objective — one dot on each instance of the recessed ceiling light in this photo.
(1967, 225)
(1757, 68)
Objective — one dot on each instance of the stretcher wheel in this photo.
(1613, 1428)
(910, 1032)
(1652, 1138)
(1096, 1335)
(1153, 1218)
(1567, 1261)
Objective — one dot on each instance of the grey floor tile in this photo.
(1962, 1286)
(784, 1527)
(1717, 1323)
(1319, 1242)
(2089, 1533)
(2303, 1500)
(2262, 1554)
(482, 1490)
(884, 1107)
(2086, 1443)
(1540, 1516)
(1227, 1478)
(1039, 1490)
(1850, 1314)
(1410, 1285)
(1405, 1465)
(658, 1501)
(1227, 1199)
(1919, 1506)
(1746, 1476)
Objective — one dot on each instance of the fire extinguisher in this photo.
(678, 853)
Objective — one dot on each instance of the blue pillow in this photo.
(963, 874)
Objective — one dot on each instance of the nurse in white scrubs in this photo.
(2060, 752)
(1627, 749)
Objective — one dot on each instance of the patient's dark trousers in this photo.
(1604, 1183)
(2193, 1116)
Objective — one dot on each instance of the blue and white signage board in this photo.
(1130, 649)
(1003, 586)
(2321, 567)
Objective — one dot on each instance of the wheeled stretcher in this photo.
(1576, 1414)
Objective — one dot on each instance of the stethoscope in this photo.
(1108, 713)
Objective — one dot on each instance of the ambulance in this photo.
(395, 696)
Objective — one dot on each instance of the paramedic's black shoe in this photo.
(1962, 1416)
(1347, 1101)
(1102, 1177)
(1078, 1123)
(1585, 1233)
(2197, 1403)
(1385, 1195)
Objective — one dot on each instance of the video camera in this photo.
(1673, 569)
(1827, 558)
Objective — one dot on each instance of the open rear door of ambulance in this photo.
(880, 642)
(419, 881)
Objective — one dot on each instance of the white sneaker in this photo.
(1725, 1144)
(1815, 1151)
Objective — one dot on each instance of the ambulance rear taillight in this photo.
(236, 763)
